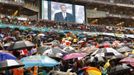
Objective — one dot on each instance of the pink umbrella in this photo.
(128, 61)
(74, 55)
(89, 49)
(8, 38)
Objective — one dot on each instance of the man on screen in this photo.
(63, 16)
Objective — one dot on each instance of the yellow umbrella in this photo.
(93, 71)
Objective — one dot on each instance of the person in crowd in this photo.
(28, 71)
(18, 71)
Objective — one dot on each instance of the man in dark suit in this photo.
(63, 16)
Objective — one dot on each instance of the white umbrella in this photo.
(68, 49)
(99, 59)
(54, 52)
(7, 44)
(48, 52)
(41, 34)
(106, 52)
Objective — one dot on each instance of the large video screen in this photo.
(80, 14)
(62, 12)
(44, 10)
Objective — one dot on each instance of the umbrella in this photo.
(5, 56)
(10, 64)
(41, 34)
(81, 41)
(96, 59)
(57, 50)
(20, 45)
(38, 60)
(55, 43)
(92, 70)
(74, 55)
(54, 52)
(7, 44)
(89, 49)
(128, 60)
(124, 49)
(107, 52)
(42, 49)
(69, 49)
(8, 38)
(106, 39)
(119, 68)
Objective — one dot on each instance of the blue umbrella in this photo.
(4, 56)
(38, 60)
(49, 62)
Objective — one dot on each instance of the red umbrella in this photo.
(105, 45)
(74, 55)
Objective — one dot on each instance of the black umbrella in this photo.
(118, 69)
(10, 64)
(124, 49)
(57, 50)
(41, 50)
(94, 60)
(20, 45)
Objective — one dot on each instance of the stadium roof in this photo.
(123, 3)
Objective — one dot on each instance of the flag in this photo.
(107, 64)
(132, 51)
(15, 13)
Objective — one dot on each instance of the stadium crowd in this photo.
(9, 20)
(68, 53)
(58, 46)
